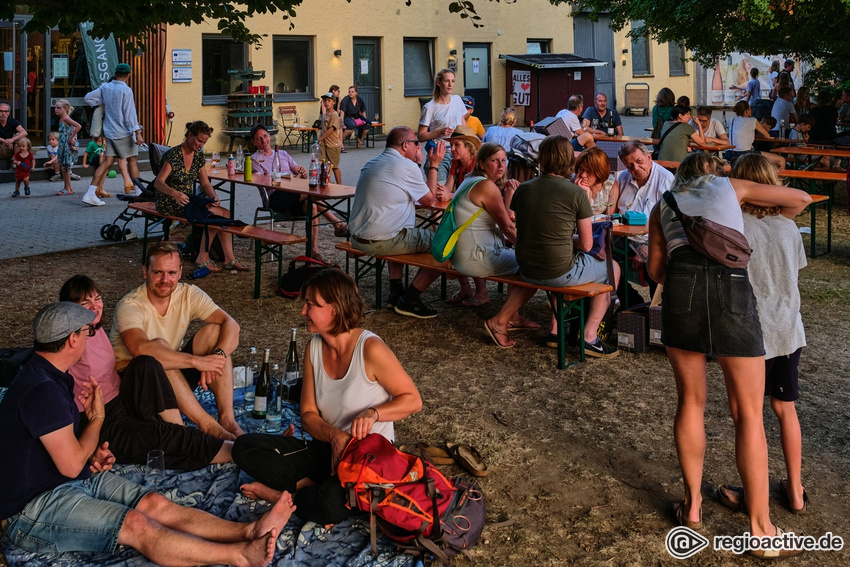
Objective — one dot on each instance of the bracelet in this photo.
(218, 350)
(430, 167)
(377, 415)
(95, 417)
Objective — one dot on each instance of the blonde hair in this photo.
(438, 78)
(755, 167)
(53, 135)
(65, 104)
(693, 168)
(508, 117)
(25, 141)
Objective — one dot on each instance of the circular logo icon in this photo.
(682, 542)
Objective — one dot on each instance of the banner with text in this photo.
(101, 55)
(522, 88)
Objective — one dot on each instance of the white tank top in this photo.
(714, 199)
(339, 401)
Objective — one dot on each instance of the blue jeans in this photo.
(80, 515)
(586, 269)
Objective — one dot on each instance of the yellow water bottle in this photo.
(247, 168)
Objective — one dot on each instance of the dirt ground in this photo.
(581, 460)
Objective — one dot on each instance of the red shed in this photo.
(552, 79)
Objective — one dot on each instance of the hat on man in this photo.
(122, 69)
(468, 101)
(256, 128)
(466, 133)
(328, 95)
(58, 320)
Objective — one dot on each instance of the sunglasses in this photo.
(412, 142)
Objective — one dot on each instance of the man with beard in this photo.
(153, 319)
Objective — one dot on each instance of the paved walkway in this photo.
(43, 222)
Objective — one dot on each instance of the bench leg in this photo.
(258, 268)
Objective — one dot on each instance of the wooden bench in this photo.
(566, 299)
(265, 241)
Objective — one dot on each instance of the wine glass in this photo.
(216, 157)
(377, 117)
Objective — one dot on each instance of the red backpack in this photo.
(410, 501)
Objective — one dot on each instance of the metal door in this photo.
(596, 40)
(476, 79)
(13, 84)
(367, 75)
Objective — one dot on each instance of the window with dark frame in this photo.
(677, 59)
(220, 54)
(640, 52)
(292, 68)
(418, 66)
(535, 46)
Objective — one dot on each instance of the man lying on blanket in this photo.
(56, 490)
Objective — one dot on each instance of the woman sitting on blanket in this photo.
(141, 408)
(353, 386)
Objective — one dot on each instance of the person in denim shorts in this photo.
(710, 309)
(56, 491)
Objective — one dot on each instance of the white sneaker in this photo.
(93, 200)
(75, 177)
(56, 177)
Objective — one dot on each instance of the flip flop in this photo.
(456, 298)
(683, 521)
(236, 265)
(473, 302)
(213, 267)
(523, 325)
(494, 333)
(468, 458)
(433, 455)
(783, 491)
(740, 505)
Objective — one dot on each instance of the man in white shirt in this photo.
(783, 109)
(582, 138)
(383, 214)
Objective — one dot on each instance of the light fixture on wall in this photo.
(338, 53)
(452, 61)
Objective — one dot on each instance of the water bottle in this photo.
(782, 128)
(313, 178)
(240, 159)
(247, 168)
(199, 273)
(276, 173)
(231, 165)
(253, 372)
(315, 151)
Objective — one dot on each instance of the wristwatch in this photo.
(217, 350)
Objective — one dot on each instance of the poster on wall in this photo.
(60, 65)
(726, 82)
(522, 88)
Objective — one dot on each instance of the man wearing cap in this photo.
(383, 215)
(56, 492)
(153, 320)
(470, 120)
(121, 129)
(330, 141)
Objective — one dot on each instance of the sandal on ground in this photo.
(683, 521)
(494, 334)
(236, 265)
(468, 458)
(774, 553)
(456, 298)
(64, 192)
(341, 230)
(740, 505)
(213, 267)
(474, 302)
(783, 491)
(433, 455)
(523, 325)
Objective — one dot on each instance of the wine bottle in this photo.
(252, 372)
(291, 371)
(716, 86)
(259, 411)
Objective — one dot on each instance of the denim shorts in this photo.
(407, 241)
(81, 515)
(586, 269)
(709, 308)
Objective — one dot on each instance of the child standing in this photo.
(53, 156)
(92, 157)
(329, 141)
(67, 154)
(24, 161)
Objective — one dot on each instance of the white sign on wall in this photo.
(181, 56)
(522, 88)
(181, 75)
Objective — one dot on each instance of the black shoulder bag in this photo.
(661, 141)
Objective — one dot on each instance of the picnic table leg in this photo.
(258, 267)
(831, 195)
(309, 225)
(562, 331)
(145, 240)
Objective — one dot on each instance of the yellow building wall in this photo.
(332, 25)
(659, 76)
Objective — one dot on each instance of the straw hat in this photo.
(466, 133)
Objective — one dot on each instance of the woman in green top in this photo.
(678, 133)
(664, 102)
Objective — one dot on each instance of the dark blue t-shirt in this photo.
(612, 119)
(39, 401)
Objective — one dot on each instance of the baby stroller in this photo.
(522, 156)
(117, 230)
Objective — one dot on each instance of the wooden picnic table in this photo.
(807, 157)
(337, 198)
(655, 141)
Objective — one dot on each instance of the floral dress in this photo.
(181, 179)
(67, 157)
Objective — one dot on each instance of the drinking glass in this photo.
(155, 469)
(216, 157)
(594, 123)
(377, 117)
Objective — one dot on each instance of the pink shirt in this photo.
(99, 361)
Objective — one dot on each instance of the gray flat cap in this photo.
(58, 320)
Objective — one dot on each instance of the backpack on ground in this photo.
(289, 284)
(410, 501)
(12, 360)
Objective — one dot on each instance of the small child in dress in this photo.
(53, 156)
(24, 161)
(68, 129)
(329, 141)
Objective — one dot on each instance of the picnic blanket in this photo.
(215, 489)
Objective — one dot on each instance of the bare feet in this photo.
(260, 551)
(275, 518)
(215, 429)
(258, 490)
(230, 425)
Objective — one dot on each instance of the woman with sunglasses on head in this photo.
(353, 386)
(141, 408)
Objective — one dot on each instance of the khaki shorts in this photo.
(122, 147)
(331, 154)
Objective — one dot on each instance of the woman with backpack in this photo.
(353, 386)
